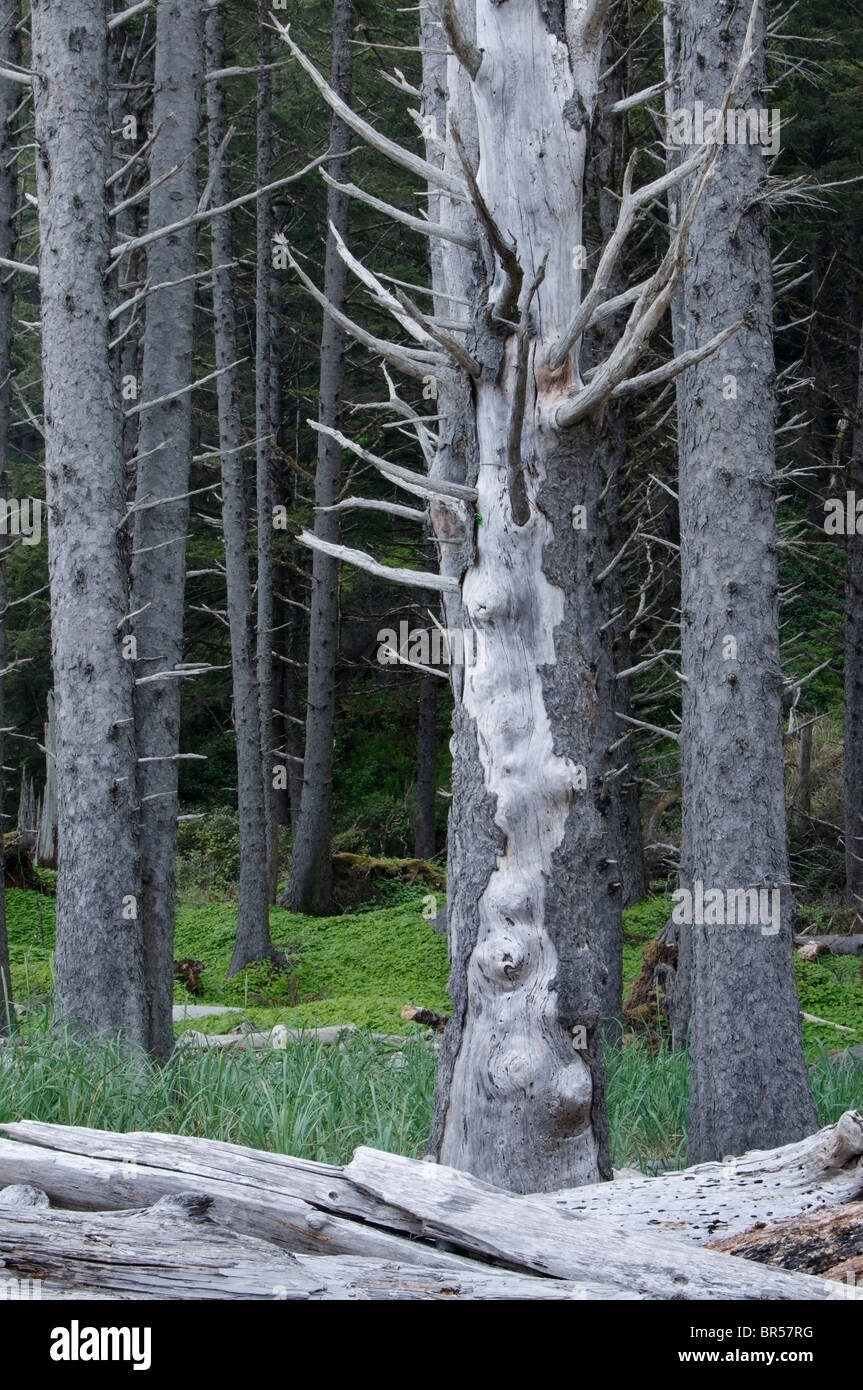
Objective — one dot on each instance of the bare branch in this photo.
(415, 579)
(436, 487)
(411, 361)
(117, 19)
(422, 168)
(135, 243)
(417, 224)
(366, 504)
(184, 390)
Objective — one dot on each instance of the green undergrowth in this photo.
(364, 966)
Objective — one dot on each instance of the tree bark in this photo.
(99, 977)
(854, 673)
(253, 930)
(164, 444)
(520, 1096)
(310, 886)
(10, 96)
(265, 431)
(749, 1084)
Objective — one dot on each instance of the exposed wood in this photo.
(171, 1251)
(484, 1220)
(811, 1244)
(725, 1199)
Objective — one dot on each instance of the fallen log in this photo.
(392, 1211)
(817, 1243)
(171, 1250)
(532, 1236)
(713, 1200)
(834, 945)
(428, 1017)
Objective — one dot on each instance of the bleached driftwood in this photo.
(371, 1229)
(713, 1200)
(483, 1220)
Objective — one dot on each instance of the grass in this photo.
(319, 1102)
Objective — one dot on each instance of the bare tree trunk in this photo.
(253, 929)
(749, 1085)
(854, 673)
(311, 869)
(10, 97)
(99, 976)
(310, 883)
(164, 445)
(520, 1095)
(265, 427)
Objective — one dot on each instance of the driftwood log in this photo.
(827, 1242)
(386, 1227)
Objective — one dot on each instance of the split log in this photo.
(724, 1199)
(817, 1243)
(534, 1236)
(170, 1251)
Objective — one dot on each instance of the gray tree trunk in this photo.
(253, 929)
(520, 1097)
(749, 1085)
(46, 834)
(265, 429)
(311, 869)
(99, 976)
(10, 97)
(164, 444)
(854, 674)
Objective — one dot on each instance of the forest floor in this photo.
(362, 968)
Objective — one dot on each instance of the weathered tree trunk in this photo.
(99, 977)
(311, 871)
(854, 673)
(160, 525)
(523, 1104)
(10, 96)
(749, 1085)
(253, 929)
(520, 1096)
(265, 430)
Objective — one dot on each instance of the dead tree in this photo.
(521, 1086)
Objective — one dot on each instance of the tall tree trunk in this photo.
(10, 97)
(99, 975)
(265, 426)
(521, 1087)
(310, 886)
(164, 444)
(749, 1085)
(854, 672)
(253, 930)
